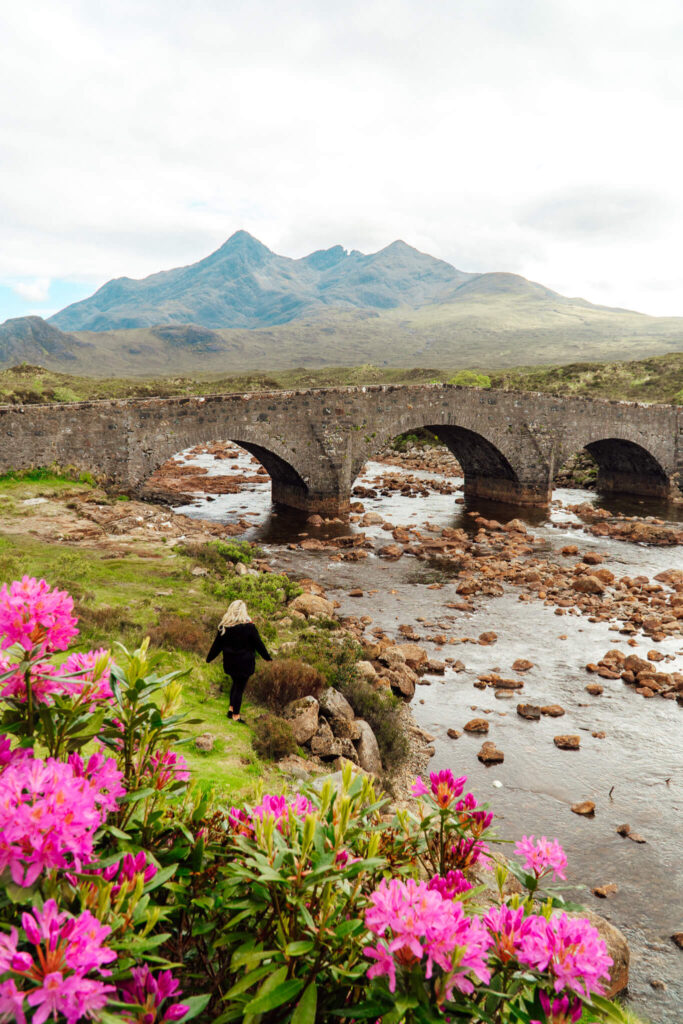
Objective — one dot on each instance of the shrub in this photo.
(278, 682)
(273, 738)
(471, 379)
(181, 632)
(423, 437)
(334, 660)
(216, 554)
(263, 595)
(382, 713)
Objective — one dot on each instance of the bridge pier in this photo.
(649, 486)
(306, 500)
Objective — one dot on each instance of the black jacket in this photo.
(239, 644)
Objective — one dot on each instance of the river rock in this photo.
(392, 657)
(454, 734)
(476, 725)
(592, 558)
(302, 715)
(604, 891)
(392, 551)
(522, 665)
(334, 704)
(589, 585)
(312, 605)
(402, 681)
(552, 710)
(368, 749)
(436, 667)
(567, 742)
(488, 638)
(677, 938)
(490, 754)
(530, 711)
(585, 807)
(594, 689)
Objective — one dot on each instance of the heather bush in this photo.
(277, 682)
(334, 658)
(273, 738)
(182, 633)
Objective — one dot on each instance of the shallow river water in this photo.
(634, 775)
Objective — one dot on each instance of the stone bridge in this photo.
(314, 443)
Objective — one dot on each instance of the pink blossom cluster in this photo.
(166, 767)
(450, 885)
(560, 1011)
(542, 856)
(148, 997)
(471, 816)
(52, 978)
(48, 681)
(128, 869)
(444, 787)
(242, 821)
(569, 949)
(8, 754)
(33, 614)
(465, 853)
(416, 924)
(50, 811)
(85, 684)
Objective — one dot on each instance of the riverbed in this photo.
(634, 774)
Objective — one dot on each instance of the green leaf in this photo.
(297, 948)
(251, 957)
(195, 1005)
(276, 996)
(305, 1009)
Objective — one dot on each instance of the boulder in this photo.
(403, 681)
(366, 670)
(392, 657)
(589, 585)
(324, 743)
(585, 807)
(414, 655)
(344, 729)
(334, 704)
(368, 749)
(522, 665)
(302, 715)
(312, 605)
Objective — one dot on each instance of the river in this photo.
(634, 774)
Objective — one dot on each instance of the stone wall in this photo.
(314, 443)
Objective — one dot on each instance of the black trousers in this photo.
(239, 682)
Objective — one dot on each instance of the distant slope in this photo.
(244, 284)
(31, 339)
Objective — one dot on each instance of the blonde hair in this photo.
(236, 614)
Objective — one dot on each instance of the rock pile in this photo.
(329, 728)
(640, 673)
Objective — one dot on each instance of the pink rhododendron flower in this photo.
(514, 935)
(33, 614)
(240, 821)
(468, 852)
(417, 923)
(103, 775)
(45, 679)
(476, 820)
(418, 788)
(9, 754)
(560, 1011)
(49, 814)
(542, 856)
(449, 886)
(167, 767)
(146, 995)
(300, 806)
(344, 857)
(53, 977)
(128, 869)
(85, 684)
(572, 951)
(444, 787)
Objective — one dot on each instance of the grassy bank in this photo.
(659, 379)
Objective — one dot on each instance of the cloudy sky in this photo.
(541, 137)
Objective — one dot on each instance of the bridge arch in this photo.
(492, 468)
(627, 467)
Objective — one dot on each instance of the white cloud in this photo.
(36, 290)
(539, 137)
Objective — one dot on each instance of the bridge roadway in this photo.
(314, 443)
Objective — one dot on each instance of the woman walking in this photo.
(239, 641)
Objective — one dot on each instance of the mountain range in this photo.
(246, 307)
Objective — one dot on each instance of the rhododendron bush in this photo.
(128, 896)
